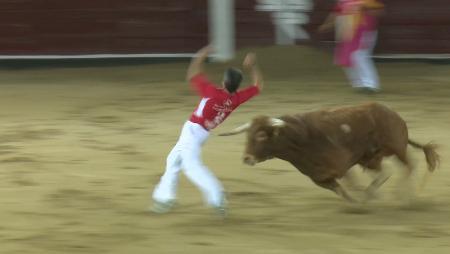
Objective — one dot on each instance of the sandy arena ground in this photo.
(82, 148)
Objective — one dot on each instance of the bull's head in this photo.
(261, 137)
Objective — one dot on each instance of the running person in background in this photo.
(215, 106)
(356, 35)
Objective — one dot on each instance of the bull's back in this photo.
(352, 125)
(354, 120)
(374, 117)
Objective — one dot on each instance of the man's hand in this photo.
(327, 24)
(196, 65)
(324, 28)
(204, 52)
(249, 61)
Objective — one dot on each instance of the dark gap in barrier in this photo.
(18, 64)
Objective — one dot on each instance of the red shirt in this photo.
(216, 103)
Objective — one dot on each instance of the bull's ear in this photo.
(261, 136)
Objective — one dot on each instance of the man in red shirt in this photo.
(215, 106)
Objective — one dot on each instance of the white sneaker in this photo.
(221, 209)
(162, 207)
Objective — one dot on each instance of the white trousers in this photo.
(363, 72)
(186, 156)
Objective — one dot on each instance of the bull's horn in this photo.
(237, 130)
(275, 122)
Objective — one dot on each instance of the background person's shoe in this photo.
(366, 90)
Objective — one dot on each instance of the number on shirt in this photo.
(201, 106)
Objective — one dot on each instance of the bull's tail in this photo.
(431, 156)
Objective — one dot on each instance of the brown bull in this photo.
(325, 144)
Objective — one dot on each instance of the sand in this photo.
(82, 148)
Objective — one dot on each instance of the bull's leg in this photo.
(333, 185)
(350, 180)
(405, 161)
(405, 186)
(380, 179)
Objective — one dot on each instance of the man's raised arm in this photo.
(250, 64)
(196, 65)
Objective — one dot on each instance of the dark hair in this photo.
(232, 79)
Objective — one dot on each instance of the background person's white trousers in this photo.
(363, 72)
(186, 156)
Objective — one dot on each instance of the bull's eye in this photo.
(261, 136)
